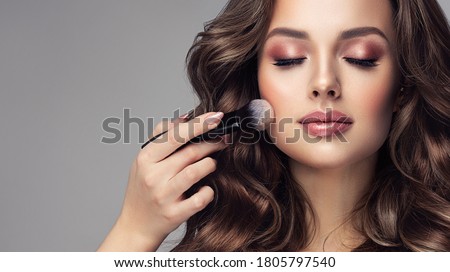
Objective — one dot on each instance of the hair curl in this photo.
(259, 207)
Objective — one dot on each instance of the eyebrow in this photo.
(344, 35)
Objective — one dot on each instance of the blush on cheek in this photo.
(379, 105)
(379, 101)
(271, 88)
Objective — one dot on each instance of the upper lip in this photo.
(325, 117)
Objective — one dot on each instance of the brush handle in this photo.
(228, 127)
(241, 119)
(224, 128)
(229, 123)
(152, 139)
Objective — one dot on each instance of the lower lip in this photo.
(321, 129)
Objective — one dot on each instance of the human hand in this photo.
(162, 172)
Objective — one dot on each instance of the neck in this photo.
(333, 194)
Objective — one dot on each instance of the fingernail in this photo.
(184, 116)
(187, 114)
(214, 119)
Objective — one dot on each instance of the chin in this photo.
(325, 162)
(324, 156)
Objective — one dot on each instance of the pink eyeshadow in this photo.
(366, 50)
(285, 50)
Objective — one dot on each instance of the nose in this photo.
(325, 84)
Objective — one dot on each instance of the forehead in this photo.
(329, 17)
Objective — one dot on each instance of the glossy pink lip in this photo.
(323, 124)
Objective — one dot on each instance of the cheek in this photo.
(378, 102)
(374, 108)
(272, 89)
(282, 89)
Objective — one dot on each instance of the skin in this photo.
(154, 204)
(334, 171)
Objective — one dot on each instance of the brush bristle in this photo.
(260, 113)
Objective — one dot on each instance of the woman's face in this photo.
(329, 56)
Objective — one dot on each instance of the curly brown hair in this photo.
(259, 207)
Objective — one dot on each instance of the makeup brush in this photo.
(255, 115)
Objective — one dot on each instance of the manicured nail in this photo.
(184, 116)
(214, 119)
(187, 114)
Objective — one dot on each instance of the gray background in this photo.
(66, 66)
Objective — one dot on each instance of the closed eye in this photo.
(362, 62)
(289, 62)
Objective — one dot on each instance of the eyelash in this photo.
(289, 62)
(362, 62)
(366, 63)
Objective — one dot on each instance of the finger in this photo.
(189, 176)
(177, 136)
(187, 155)
(163, 126)
(166, 124)
(195, 203)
